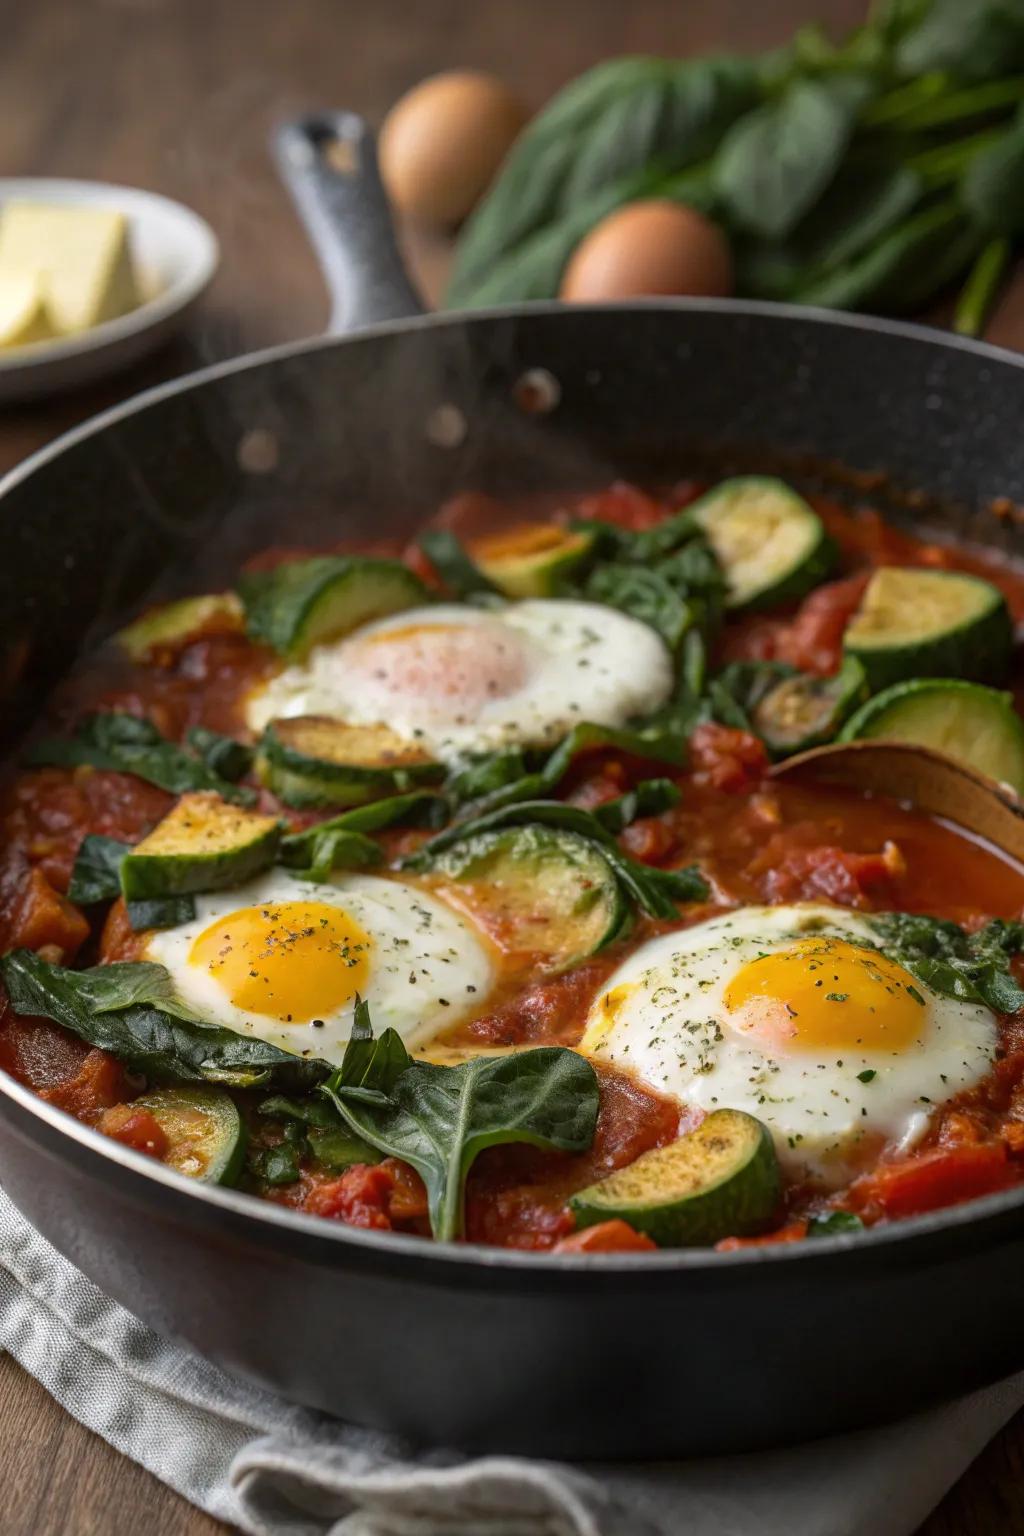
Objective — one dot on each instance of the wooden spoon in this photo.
(929, 780)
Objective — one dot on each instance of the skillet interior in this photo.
(335, 439)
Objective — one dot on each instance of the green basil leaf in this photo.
(96, 875)
(224, 756)
(439, 1119)
(992, 186)
(777, 161)
(127, 744)
(448, 556)
(166, 1047)
(904, 269)
(979, 40)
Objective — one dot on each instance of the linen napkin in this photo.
(272, 1469)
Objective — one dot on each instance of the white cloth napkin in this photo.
(275, 1470)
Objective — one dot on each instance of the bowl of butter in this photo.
(92, 277)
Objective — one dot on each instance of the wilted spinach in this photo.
(128, 744)
(439, 1119)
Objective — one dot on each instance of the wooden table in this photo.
(178, 96)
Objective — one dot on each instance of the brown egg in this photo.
(442, 142)
(650, 248)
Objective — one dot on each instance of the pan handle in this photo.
(328, 162)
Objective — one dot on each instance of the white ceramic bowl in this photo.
(176, 255)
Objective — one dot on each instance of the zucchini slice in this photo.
(532, 559)
(539, 891)
(203, 844)
(312, 760)
(722, 1180)
(922, 623)
(205, 1132)
(980, 726)
(306, 602)
(771, 545)
(804, 711)
(174, 624)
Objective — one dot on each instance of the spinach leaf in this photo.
(830, 1223)
(645, 595)
(439, 1119)
(341, 842)
(127, 744)
(776, 162)
(975, 41)
(223, 755)
(160, 912)
(448, 556)
(96, 875)
(511, 787)
(130, 1011)
(648, 798)
(972, 966)
(312, 1128)
(277, 1165)
(308, 1111)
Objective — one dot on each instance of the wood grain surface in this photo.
(179, 96)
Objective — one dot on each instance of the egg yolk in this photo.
(292, 961)
(457, 664)
(826, 992)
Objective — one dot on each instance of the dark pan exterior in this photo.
(636, 1356)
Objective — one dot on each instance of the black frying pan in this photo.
(641, 1356)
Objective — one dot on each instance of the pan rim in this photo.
(943, 341)
(466, 1258)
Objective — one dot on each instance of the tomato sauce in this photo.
(756, 840)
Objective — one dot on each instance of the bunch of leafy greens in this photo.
(129, 744)
(438, 1119)
(130, 1009)
(971, 966)
(865, 174)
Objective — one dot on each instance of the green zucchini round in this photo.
(204, 1129)
(915, 623)
(772, 546)
(979, 726)
(721, 1180)
(554, 890)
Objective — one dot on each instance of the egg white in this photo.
(670, 1027)
(428, 968)
(554, 663)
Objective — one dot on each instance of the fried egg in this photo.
(285, 959)
(459, 679)
(792, 1014)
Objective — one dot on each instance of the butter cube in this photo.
(23, 313)
(80, 256)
